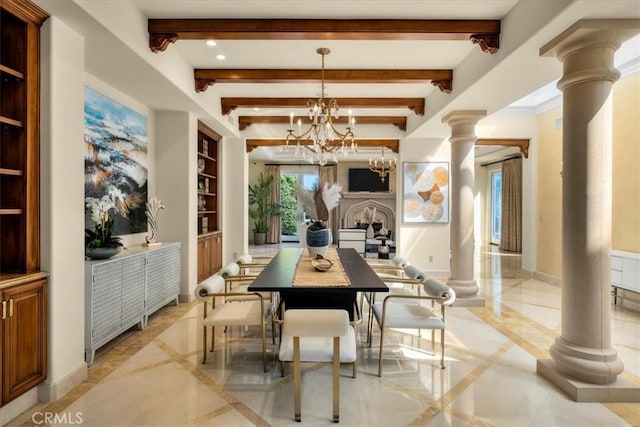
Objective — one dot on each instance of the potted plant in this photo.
(100, 243)
(260, 209)
(318, 205)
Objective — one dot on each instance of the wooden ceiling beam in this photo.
(523, 144)
(162, 32)
(399, 121)
(207, 77)
(414, 104)
(391, 144)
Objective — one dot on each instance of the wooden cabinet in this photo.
(23, 337)
(209, 254)
(20, 23)
(209, 235)
(123, 291)
(23, 332)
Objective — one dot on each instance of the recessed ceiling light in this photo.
(220, 57)
(211, 43)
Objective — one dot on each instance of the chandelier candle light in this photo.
(322, 139)
(383, 170)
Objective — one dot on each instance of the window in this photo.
(496, 206)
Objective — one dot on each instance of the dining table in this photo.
(289, 273)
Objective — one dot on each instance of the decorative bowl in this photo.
(321, 263)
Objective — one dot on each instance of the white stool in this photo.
(309, 326)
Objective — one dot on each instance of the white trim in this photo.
(50, 391)
(547, 278)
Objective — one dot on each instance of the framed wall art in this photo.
(425, 195)
(115, 160)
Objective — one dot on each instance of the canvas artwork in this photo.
(115, 162)
(426, 192)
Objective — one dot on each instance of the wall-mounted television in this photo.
(366, 180)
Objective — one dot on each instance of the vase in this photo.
(318, 241)
(103, 252)
(370, 232)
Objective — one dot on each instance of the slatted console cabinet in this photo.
(123, 291)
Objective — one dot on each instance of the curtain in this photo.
(273, 231)
(511, 227)
(327, 174)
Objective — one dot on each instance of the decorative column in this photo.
(584, 364)
(462, 140)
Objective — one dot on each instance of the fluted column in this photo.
(583, 351)
(462, 140)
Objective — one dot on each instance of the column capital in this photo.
(464, 116)
(587, 49)
(589, 33)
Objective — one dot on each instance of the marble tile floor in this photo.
(154, 377)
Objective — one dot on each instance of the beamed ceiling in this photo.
(163, 33)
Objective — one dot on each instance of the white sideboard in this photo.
(123, 291)
(625, 272)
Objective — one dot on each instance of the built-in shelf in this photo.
(206, 212)
(12, 172)
(204, 156)
(11, 71)
(207, 175)
(206, 194)
(10, 211)
(12, 122)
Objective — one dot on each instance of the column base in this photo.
(463, 288)
(620, 390)
(469, 302)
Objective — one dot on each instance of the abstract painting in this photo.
(426, 192)
(115, 161)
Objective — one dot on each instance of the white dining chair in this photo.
(317, 335)
(251, 309)
(406, 312)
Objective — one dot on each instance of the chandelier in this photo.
(384, 169)
(322, 140)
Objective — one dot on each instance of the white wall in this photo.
(176, 161)
(426, 246)
(235, 203)
(62, 200)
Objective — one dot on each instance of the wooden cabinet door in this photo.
(24, 338)
(216, 253)
(204, 257)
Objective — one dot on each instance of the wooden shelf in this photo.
(12, 122)
(207, 175)
(206, 194)
(11, 71)
(206, 212)
(207, 157)
(10, 211)
(11, 172)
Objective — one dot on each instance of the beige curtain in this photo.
(327, 174)
(273, 232)
(511, 228)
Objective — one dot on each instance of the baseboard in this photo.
(50, 391)
(547, 278)
(19, 405)
(185, 298)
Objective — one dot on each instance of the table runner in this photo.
(308, 276)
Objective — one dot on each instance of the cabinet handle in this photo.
(4, 310)
(11, 307)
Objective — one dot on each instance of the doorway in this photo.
(293, 216)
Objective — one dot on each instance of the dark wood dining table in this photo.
(278, 276)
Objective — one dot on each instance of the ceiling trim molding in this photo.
(162, 32)
(399, 121)
(522, 144)
(416, 105)
(391, 144)
(204, 78)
